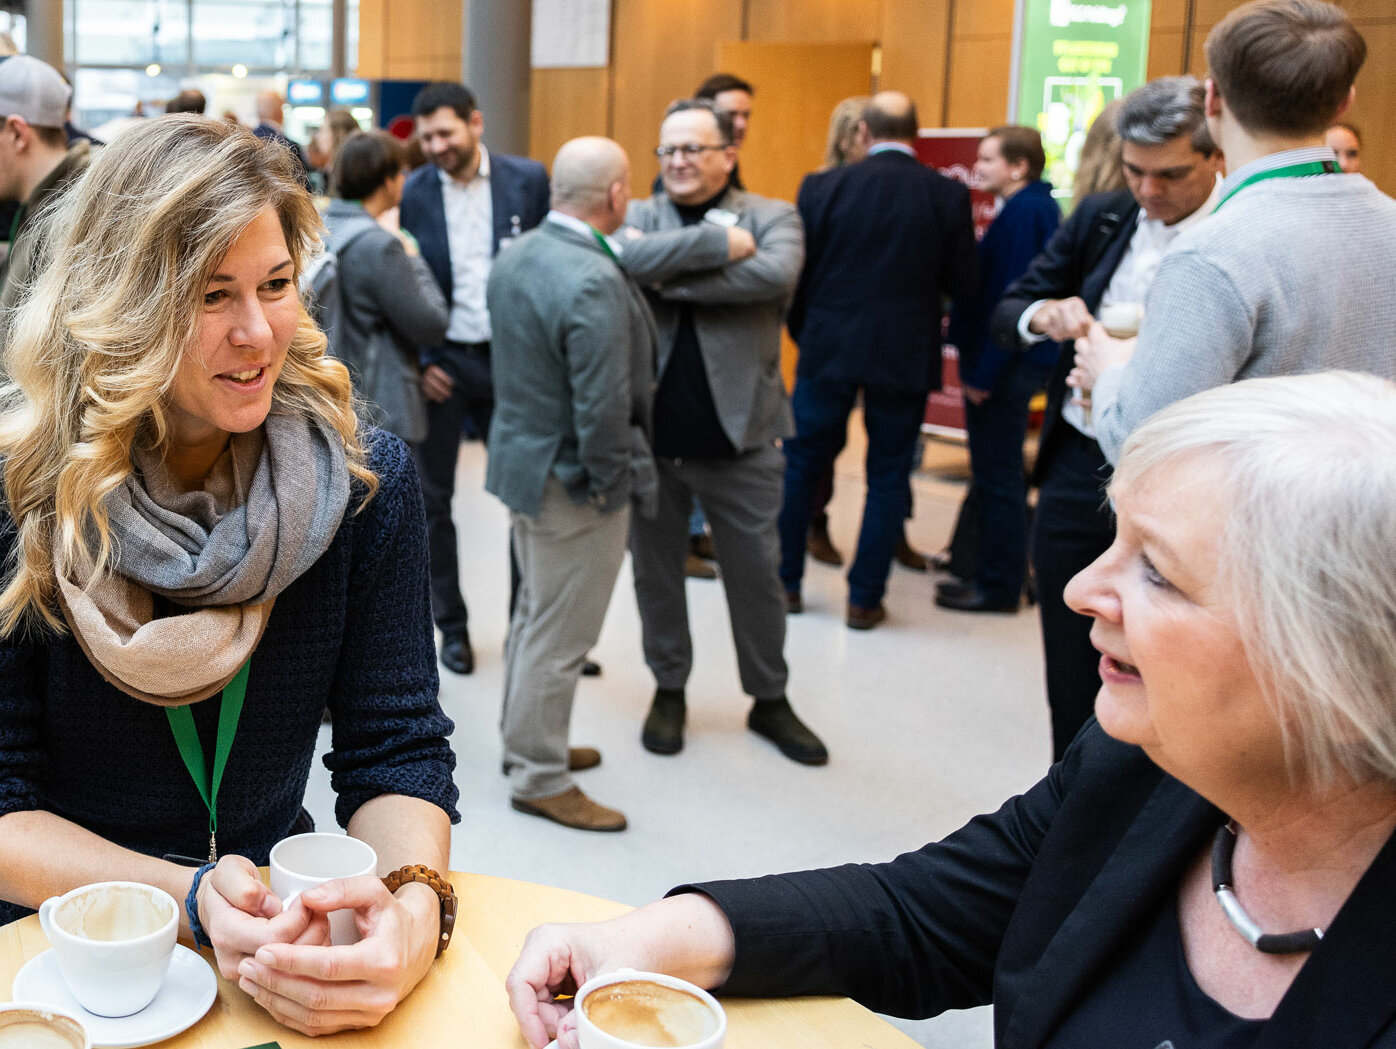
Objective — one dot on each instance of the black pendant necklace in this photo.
(1223, 847)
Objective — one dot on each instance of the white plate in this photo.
(189, 989)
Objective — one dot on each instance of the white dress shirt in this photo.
(470, 236)
(1130, 280)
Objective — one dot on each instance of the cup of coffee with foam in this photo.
(114, 941)
(30, 1025)
(627, 1009)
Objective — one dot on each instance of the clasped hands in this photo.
(1068, 320)
(283, 958)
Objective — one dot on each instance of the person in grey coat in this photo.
(573, 352)
(719, 266)
(389, 302)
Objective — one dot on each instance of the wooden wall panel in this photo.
(567, 103)
(812, 21)
(663, 50)
(913, 41)
(373, 39)
(1376, 101)
(799, 85)
(979, 81)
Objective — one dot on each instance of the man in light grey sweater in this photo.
(1296, 269)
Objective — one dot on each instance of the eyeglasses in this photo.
(688, 149)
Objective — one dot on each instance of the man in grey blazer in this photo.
(574, 347)
(719, 266)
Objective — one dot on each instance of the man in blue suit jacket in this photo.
(886, 239)
(462, 207)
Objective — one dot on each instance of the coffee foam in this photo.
(650, 1014)
(115, 912)
(31, 1029)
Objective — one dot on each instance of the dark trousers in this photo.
(892, 419)
(996, 431)
(1074, 525)
(472, 396)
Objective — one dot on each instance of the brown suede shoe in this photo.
(864, 618)
(579, 759)
(573, 809)
(910, 558)
(821, 547)
(696, 568)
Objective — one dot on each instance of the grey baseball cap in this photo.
(33, 90)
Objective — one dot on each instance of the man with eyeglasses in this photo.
(719, 266)
(1106, 253)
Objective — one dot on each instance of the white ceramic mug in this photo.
(115, 967)
(713, 1029)
(24, 1025)
(304, 861)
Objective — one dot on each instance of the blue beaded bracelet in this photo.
(191, 908)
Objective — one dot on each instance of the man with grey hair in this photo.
(573, 356)
(1105, 254)
(36, 163)
(719, 266)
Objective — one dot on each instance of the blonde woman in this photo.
(192, 519)
(1100, 169)
(845, 145)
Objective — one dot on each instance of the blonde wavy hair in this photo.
(95, 344)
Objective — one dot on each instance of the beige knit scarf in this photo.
(194, 575)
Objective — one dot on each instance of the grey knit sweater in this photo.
(1291, 275)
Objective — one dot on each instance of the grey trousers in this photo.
(569, 557)
(741, 498)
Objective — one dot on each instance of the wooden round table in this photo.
(461, 1002)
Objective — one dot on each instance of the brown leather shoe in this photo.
(821, 547)
(696, 568)
(579, 759)
(794, 603)
(573, 809)
(909, 558)
(702, 546)
(864, 618)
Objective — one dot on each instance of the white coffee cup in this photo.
(634, 1009)
(1121, 319)
(114, 941)
(304, 861)
(32, 1025)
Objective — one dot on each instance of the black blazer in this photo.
(518, 195)
(1022, 909)
(885, 240)
(1079, 260)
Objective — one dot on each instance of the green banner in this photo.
(1073, 58)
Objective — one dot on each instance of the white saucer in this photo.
(189, 989)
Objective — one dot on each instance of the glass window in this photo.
(132, 33)
(260, 35)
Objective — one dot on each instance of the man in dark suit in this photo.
(270, 107)
(1105, 253)
(887, 238)
(462, 208)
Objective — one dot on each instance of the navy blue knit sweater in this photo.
(353, 633)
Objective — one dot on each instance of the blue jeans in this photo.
(892, 419)
(996, 431)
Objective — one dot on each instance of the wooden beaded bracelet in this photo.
(439, 885)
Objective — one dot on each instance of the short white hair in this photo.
(1307, 466)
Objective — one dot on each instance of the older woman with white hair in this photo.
(201, 550)
(1209, 865)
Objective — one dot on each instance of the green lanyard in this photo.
(605, 245)
(192, 751)
(1312, 167)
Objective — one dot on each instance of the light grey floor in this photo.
(931, 718)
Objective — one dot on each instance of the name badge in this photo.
(721, 217)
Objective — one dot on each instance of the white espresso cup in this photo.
(1121, 319)
(31, 1025)
(629, 1009)
(304, 861)
(114, 941)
